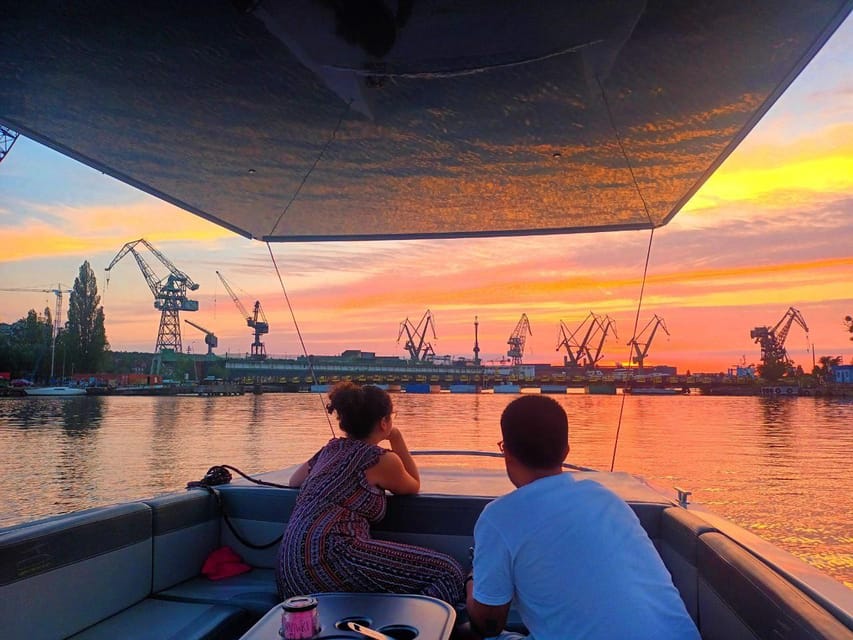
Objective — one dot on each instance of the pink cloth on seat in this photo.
(224, 563)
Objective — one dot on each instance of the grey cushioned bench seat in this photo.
(254, 591)
(188, 526)
(90, 574)
(677, 545)
(741, 598)
(154, 619)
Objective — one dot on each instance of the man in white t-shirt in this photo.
(569, 554)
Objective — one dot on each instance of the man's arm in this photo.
(486, 620)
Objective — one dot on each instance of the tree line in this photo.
(30, 348)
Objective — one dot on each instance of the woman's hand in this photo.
(397, 473)
(394, 436)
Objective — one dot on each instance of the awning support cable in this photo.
(648, 253)
(278, 272)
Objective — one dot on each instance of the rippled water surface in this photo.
(778, 467)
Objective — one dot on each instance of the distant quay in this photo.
(303, 373)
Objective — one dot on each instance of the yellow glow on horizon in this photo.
(105, 229)
(829, 174)
(820, 164)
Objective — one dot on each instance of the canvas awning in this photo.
(303, 120)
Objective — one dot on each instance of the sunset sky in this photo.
(773, 228)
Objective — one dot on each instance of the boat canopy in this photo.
(291, 120)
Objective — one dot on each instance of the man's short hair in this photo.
(535, 430)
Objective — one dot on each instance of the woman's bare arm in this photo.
(398, 446)
(389, 473)
(299, 475)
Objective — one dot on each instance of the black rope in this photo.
(219, 475)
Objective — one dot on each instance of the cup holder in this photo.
(399, 631)
(362, 620)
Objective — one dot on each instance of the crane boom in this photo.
(257, 320)
(603, 327)
(579, 352)
(153, 283)
(773, 340)
(234, 297)
(518, 339)
(641, 349)
(784, 325)
(170, 292)
(210, 338)
(419, 349)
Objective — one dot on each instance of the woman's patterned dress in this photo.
(327, 544)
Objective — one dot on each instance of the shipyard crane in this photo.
(209, 338)
(419, 349)
(257, 321)
(57, 317)
(603, 327)
(640, 350)
(7, 139)
(518, 339)
(170, 293)
(773, 340)
(579, 352)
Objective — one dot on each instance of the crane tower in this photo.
(518, 339)
(170, 293)
(7, 139)
(773, 340)
(419, 349)
(640, 350)
(257, 321)
(579, 351)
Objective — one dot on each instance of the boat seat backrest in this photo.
(443, 523)
(649, 515)
(259, 514)
(75, 570)
(677, 545)
(186, 528)
(740, 597)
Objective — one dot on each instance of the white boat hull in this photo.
(55, 391)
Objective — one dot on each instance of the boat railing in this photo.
(483, 454)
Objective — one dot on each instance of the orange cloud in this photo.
(84, 231)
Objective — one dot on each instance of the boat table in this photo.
(403, 617)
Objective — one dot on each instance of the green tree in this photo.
(773, 370)
(85, 339)
(848, 320)
(25, 346)
(823, 371)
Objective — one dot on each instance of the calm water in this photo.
(778, 467)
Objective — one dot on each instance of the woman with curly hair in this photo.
(327, 544)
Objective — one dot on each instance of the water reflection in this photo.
(82, 415)
(32, 412)
(777, 426)
(780, 467)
